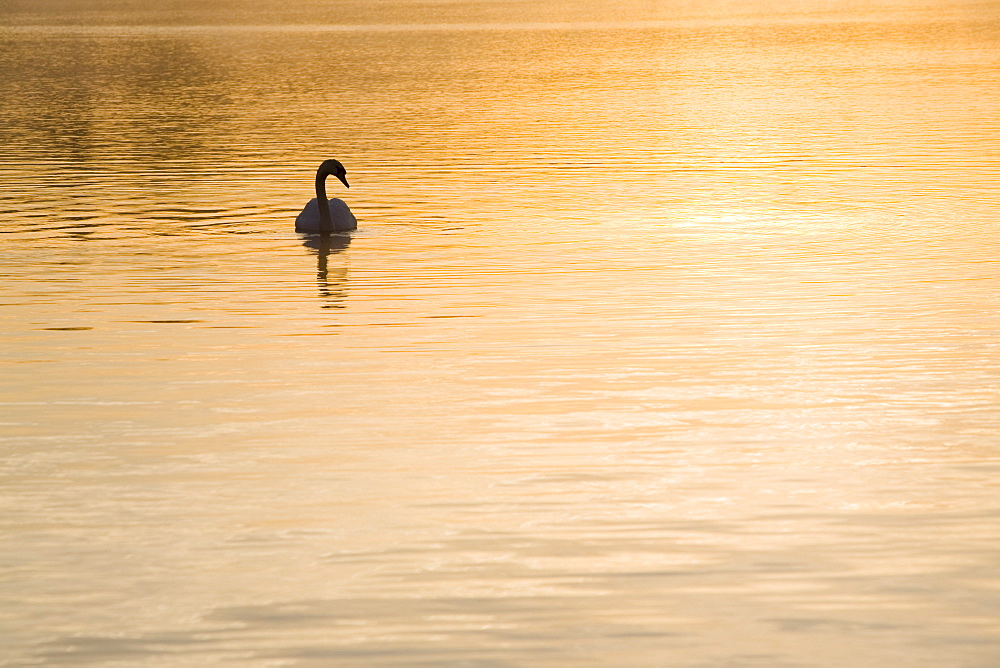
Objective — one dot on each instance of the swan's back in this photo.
(340, 215)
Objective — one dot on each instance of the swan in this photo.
(325, 216)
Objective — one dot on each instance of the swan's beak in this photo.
(343, 179)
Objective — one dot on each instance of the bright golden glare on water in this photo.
(669, 335)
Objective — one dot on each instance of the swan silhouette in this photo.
(324, 216)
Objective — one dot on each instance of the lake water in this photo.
(669, 335)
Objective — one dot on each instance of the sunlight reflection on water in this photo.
(662, 342)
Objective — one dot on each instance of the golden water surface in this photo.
(669, 335)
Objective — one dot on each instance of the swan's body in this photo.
(341, 217)
(323, 216)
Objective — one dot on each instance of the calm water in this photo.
(669, 336)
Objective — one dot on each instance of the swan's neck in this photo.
(325, 224)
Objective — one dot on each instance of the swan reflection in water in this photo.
(332, 282)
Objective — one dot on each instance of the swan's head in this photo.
(335, 168)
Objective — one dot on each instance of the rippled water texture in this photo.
(668, 337)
